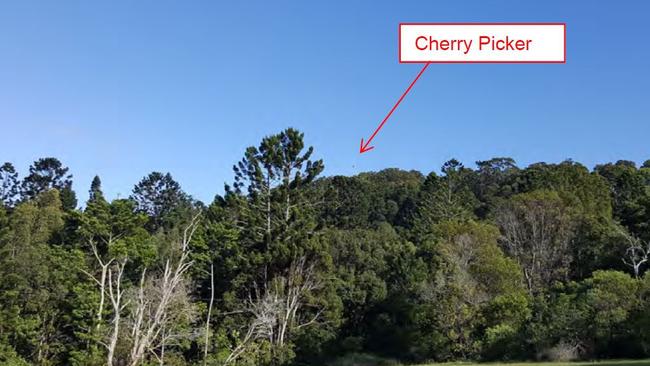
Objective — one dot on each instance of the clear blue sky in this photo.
(120, 89)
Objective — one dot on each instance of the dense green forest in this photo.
(289, 267)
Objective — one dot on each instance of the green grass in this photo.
(360, 359)
(583, 363)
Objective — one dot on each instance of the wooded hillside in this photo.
(289, 267)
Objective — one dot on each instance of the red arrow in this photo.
(364, 147)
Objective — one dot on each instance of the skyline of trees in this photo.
(288, 267)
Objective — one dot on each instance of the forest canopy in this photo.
(290, 267)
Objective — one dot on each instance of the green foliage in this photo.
(9, 357)
(161, 198)
(591, 315)
(35, 301)
(269, 196)
(475, 292)
(117, 230)
(46, 174)
(490, 182)
(369, 199)
(267, 224)
(627, 184)
(496, 263)
(9, 187)
(640, 322)
(364, 263)
(448, 197)
(630, 191)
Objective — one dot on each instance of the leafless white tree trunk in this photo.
(636, 254)
(109, 281)
(277, 310)
(115, 292)
(152, 300)
(207, 320)
(243, 343)
(101, 281)
(537, 232)
(155, 296)
(163, 342)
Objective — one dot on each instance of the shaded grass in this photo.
(580, 363)
(361, 359)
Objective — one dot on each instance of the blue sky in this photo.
(120, 89)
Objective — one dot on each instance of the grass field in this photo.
(370, 360)
(599, 363)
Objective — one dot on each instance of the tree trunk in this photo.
(207, 321)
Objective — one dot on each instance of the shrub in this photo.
(562, 352)
(8, 357)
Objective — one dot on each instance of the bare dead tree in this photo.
(152, 299)
(276, 311)
(155, 297)
(163, 343)
(172, 332)
(457, 289)
(207, 320)
(244, 342)
(116, 293)
(537, 232)
(463, 251)
(463, 255)
(109, 281)
(637, 252)
(100, 280)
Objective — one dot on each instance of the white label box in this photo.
(482, 43)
